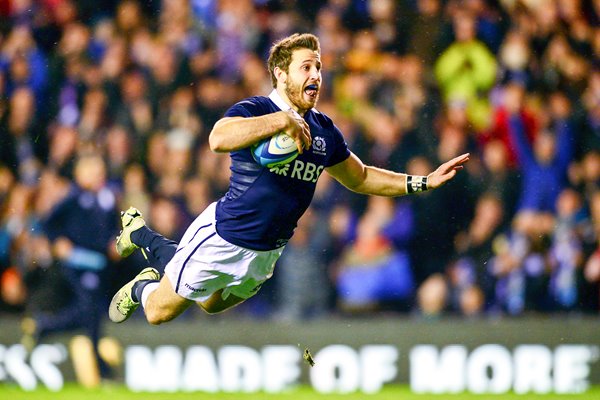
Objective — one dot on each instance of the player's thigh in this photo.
(215, 303)
(164, 303)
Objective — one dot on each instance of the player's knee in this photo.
(155, 317)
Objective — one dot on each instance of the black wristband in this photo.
(415, 184)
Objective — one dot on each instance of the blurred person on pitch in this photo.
(81, 229)
(231, 248)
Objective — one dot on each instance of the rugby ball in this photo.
(277, 150)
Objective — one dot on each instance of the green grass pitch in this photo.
(72, 392)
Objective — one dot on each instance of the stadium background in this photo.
(410, 83)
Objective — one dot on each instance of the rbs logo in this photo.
(305, 171)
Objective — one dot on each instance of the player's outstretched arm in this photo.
(235, 133)
(360, 178)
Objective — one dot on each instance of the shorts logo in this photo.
(195, 290)
(319, 145)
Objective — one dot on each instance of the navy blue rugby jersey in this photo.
(262, 207)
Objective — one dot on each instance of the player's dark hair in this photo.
(281, 51)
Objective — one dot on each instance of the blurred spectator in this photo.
(24, 63)
(589, 131)
(118, 153)
(467, 69)
(335, 39)
(67, 68)
(516, 63)
(24, 142)
(15, 224)
(432, 296)
(372, 275)
(426, 29)
(562, 68)
(128, 18)
(236, 32)
(544, 164)
(474, 247)
(197, 196)
(64, 142)
(566, 251)
(135, 112)
(586, 174)
(303, 269)
(166, 218)
(499, 179)
(135, 189)
(510, 103)
(83, 253)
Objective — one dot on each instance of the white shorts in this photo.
(204, 263)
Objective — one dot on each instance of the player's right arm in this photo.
(235, 133)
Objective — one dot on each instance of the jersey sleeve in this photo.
(341, 151)
(250, 107)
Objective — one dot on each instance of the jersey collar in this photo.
(276, 98)
(282, 105)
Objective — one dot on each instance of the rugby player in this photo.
(231, 248)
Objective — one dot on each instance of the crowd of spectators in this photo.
(410, 83)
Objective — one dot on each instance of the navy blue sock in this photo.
(138, 288)
(160, 247)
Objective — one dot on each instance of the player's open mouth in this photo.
(311, 90)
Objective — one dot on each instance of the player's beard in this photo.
(295, 92)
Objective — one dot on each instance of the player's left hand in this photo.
(298, 130)
(446, 171)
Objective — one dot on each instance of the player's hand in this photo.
(446, 171)
(298, 130)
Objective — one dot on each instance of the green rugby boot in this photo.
(132, 221)
(122, 305)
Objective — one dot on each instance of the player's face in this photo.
(303, 81)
